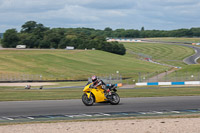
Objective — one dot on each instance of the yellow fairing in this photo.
(98, 93)
(86, 89)
(88, 94)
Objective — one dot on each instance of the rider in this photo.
(97, 82)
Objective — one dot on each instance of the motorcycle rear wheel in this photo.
(115, 99)
(87, 101)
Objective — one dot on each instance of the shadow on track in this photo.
(105, 104)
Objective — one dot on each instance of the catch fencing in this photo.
(109, 78)
(20, 77)
(169, 77)
(12, 77)
(125, 78)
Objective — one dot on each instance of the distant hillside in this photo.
(71, 64)
(163, 53)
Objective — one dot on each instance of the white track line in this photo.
(11, 119)
(175, 112)
(30, 118)
(157, 112)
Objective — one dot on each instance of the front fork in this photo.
(89, 94)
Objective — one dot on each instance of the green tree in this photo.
(108, 29)
(44, 44)
(63, 43)
(142, 29)
(10, 39)
(29, 27)
(53, 38)
(30, 40)
(195, 32)
(33, 27)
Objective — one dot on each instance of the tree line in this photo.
(132, 33)
(35, 35)
(142, 33)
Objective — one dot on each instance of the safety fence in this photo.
(110, 78)
(20, 77)
(124, 78)
(13, 77)
(176, 76)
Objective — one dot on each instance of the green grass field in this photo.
(65, 64)
(187, 73)
(163, 53)
(198, 60)
(19, 94)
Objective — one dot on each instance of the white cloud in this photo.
(152, 14)
(24, 6)
(110, 4)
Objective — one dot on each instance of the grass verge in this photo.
(198, 60)
(19, 94)
(187, 73)
(159, 92)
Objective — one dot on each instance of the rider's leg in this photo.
(107, 91)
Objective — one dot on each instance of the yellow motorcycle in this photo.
(97, 95)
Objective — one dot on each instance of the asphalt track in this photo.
(192, 59)
(70, 107)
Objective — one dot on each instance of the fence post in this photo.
(176, 76)
(144, 78)
(120, 78)
(139, 77)
(157, 75)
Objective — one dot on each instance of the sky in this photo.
(99, 14)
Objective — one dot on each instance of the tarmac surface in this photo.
(72, 107)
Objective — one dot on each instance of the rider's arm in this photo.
(99, 83)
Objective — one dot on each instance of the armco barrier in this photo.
(169, 83)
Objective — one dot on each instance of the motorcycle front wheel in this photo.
(115, 99)
(87, 101)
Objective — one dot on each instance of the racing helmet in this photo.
(94, 79)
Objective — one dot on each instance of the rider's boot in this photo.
(108, 96)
